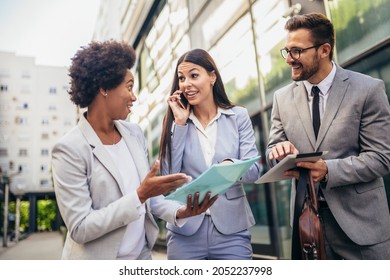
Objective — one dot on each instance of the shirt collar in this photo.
(220, 111)
(325, 84)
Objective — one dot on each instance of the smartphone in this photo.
(183, 101)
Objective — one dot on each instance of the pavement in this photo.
(45, 246)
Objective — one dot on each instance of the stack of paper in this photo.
(216, 180)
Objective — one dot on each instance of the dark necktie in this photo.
(316, 109)
(316, 120)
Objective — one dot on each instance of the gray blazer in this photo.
(356, 131)
(235, 140)
(89, 192)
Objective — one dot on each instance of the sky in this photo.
(49, 30)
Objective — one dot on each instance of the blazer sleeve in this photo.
(247, 146)
(277, 133)
(373, 158)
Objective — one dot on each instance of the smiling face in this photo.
(196, 83)
(308, 65)
(120, 99)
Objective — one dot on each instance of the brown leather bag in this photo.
(310, 229)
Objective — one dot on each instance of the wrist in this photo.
(142, 198)
(180, 122)
(180, 213)
(326, 177)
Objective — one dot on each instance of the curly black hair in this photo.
(100, 65)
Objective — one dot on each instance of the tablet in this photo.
(215, 179)
(276, 173)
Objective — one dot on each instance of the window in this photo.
(21, 120)
(23, 106)
(23, 152)
(3, 88)
(45, 136)
(44, 183)
(23, 168)
(45, 121)
(68, 122)
(3, 152)
(44, 152)
(52, 90)
(44, 167)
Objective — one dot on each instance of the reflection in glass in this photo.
(359, 25)
(237, 64)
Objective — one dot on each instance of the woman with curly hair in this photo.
(104, 189)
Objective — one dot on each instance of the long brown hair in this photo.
(202, 58)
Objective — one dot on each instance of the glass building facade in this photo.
(244, 37)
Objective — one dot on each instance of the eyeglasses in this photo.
(295, 53)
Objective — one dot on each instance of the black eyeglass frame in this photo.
(285, 51)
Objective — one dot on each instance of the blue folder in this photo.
(215, 179)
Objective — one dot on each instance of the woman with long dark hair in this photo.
(202, 127)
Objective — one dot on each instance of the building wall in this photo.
(35, 111)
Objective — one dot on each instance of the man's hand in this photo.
(154, 185)
(318, 169)
(281, 150)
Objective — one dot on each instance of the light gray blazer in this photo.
(356, 131)
(235, 140)
(89, 192)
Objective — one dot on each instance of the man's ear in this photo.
(325, 50)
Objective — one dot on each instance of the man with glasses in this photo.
(328, 108)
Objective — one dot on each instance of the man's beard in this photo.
(307, 71)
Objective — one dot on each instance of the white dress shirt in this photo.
(324, 87)
(134, 238)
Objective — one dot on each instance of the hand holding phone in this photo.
(183, 102)
(178, 96)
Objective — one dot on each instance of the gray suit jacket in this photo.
(89, 192)
(235, 140)
(356, 131)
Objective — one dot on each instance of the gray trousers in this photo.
(209, 244)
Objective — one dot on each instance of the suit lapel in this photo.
(336, 96)
(300, 101)
(99, 151)
(222, 147)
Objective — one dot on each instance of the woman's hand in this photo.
(154, 185)
(180, 112)
(193, 209)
